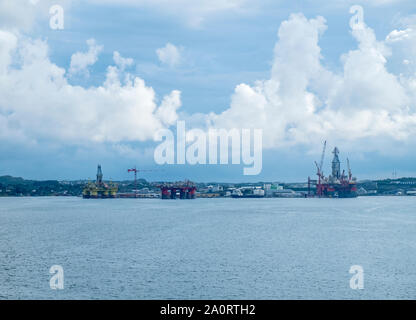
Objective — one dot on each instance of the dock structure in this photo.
(178, 190)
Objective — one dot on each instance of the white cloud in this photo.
(403, 44)
(121, 62)
(167, 110)
(404, 40)
(366, 83)
(37, 104)
(305, 103)
(302, 103)
(169, 55)
(9, 42)
(80, 61)
(399, 35)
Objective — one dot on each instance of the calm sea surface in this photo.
(208, 248)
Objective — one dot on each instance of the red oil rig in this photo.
(336, 185)
(181, 190)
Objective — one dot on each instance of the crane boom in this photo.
(322, 157)
(317, 167)
(349, 169)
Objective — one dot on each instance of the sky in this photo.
(92, 81)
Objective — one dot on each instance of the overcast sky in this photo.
(98, 90)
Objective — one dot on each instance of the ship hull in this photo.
(335, 192)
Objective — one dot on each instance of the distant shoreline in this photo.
(263, 198)
(19, 187)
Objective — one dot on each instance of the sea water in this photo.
(208, 248)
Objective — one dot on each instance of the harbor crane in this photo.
(319, 167)
(135, 170)
(320, 173)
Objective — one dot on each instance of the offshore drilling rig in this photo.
(336, 185)
(182, 190)
(99, 189)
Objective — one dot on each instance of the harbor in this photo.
(337, 185)
(143, 189)
(340, 183)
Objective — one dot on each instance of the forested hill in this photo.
(15, 186)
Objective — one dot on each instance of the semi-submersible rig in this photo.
(99, 189)
(336, 185)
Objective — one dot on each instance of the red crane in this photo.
(135, 175)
